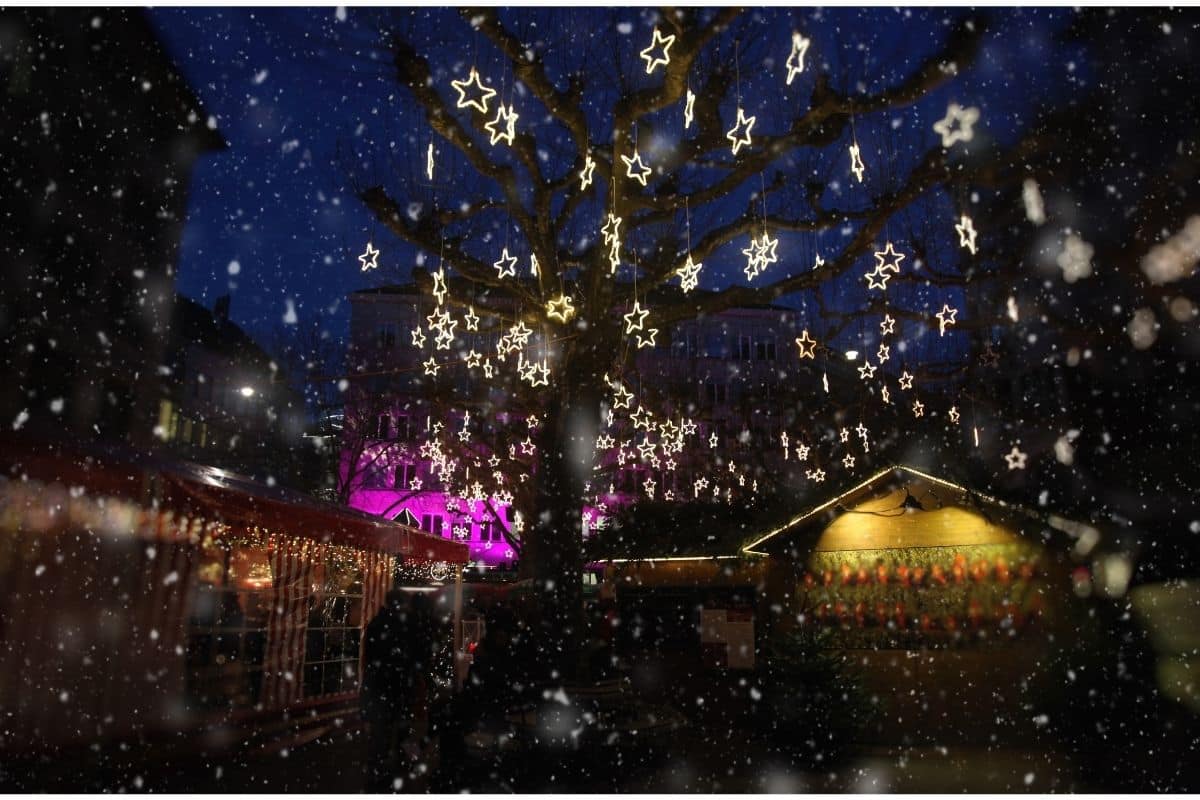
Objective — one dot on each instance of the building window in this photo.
(432, 523)
(375, 476)
(331, 643)
(383, 427)
(745, 348)
(387, 335)
(764, 348)
(404, 475)
(715, 393)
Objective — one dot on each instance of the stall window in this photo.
(227, 628)
(331, 645)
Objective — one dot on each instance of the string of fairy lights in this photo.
(657, 441)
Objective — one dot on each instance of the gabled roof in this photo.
(967, 496)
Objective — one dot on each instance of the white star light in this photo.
(1016, 459)
(688, 274)
(480, 100)
(611, 229)
(561, 308)
(848, 461)
(506, 265)
(882, 256)
(471, 319)
(884, 353)
(503, 126)
(743, 124)
(648, 339)
(585, 174)
(431, 367)
(439, 286)
(867, 370)
(906, 380)
(887, 325)
(945, 317)
(369, 259)
(795, 61)
(956, 126)
(653, 60)
(689, 106)
(966, 233)
(429, 162)
(641, 173)
(918, 409)
(953, 413)
(878, 278)
(622, 397)
(418, 337)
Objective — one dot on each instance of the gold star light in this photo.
(480, 99)
(906, 380)
(648, 339)
(743, 124)
(641, 173)
(561, 308)
(887, 325)
(506, 264)
(473, 359)
(621, 397)
(945, 317)
(866, 371)
(654, 60)
(429, 162)
(611, 229)
(795, 61)
(954, 415)
(1016, 459)
(471, 319)
(856, 162)
(369, 259)
(418, 337)
(884, 353)
(956, 126)
(878, 278)
(503, 126)
(689, 106)
(439, 285)
(807, 345)
(918, 409)
(431, 367)
(585, 174)
(882, 256)
(966, 233)
(636, 312)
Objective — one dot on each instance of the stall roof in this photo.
(826, 510)
(216, 495)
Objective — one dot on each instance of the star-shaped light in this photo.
(646, 449)
(966, 233)
(429, 162)
(418, 337)
(861, 430)
(561, 308)
(906, 380)
(766, 250)
(739, 134)
(688, 428)
(489, 371)
(641, 418)
(654, 60)
(856, 162)
(415, 484)
(611, 228)
(649, 487)
(528, 447)
(878, 278)
(867, 370)
(638, 313)
(622, 397)
(689, 108)
(844, 435)
(953, 414)
(445, 338)
(888, 325)
(369, 259)
(1016, 459)
(884, 353)
(700, 485)
(473, 359)
(918, 408)
(807, 345)
(471, 319)
(439, 286)
(795, 60)
(712, 440)
(541, 375)
(885, 395)
(503, 126)
(945, 317)
(641, 173)
(802, 452)
(816, 475)
(957, 125)
(585, 174)
(431, 367)
(604, 441)
(848, 461)
(648, 339)
(689, 274)
(754, 263)
(888, 252)
(506, 265)
(479, 99)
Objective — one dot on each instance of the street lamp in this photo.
(247, 391)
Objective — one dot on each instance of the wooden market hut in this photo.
(157, 601)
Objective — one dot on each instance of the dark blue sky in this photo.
(273, 221)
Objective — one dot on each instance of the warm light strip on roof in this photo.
(670, 558)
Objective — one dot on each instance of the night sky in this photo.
(273, 219)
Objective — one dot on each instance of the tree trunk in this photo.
(553, 552)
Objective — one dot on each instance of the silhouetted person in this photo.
(392, 680)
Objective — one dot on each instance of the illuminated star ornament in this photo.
(439, 285)
(882, 259)
(689, 274)
(918, 408)
(429, 162)
(506, 264)
(654, 60)
(866, 371)
(431, 367)
(743, 124)
(1016, 459)
(641, 173)
(906, 380)
(369, 259)
(503, 126)
(636, 313)
(945, 317)
(648, 339)
(477, 100)
(689, 109)
(966, 233)
(856, 162)
(953, 414)
(887, 325)
(561, 308)
(795, 61)
(585, 174)
(471, 319)
(807, 345)
(957, 125)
